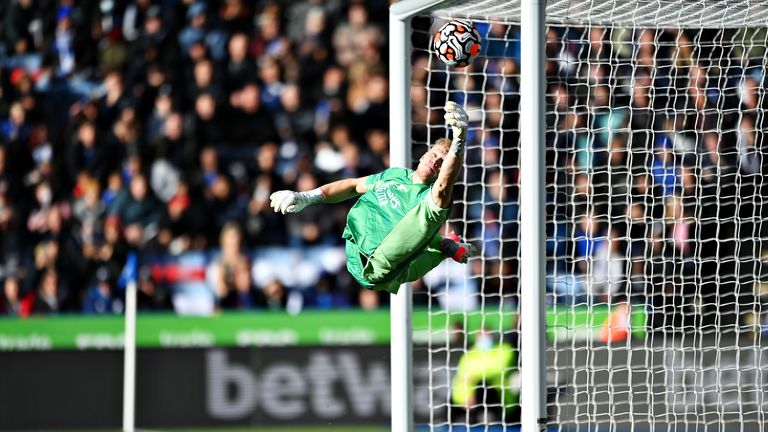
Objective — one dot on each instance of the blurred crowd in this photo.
(655, 165)
(164, 125)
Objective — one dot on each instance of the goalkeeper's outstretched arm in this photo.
(458, 120)
(286, 201)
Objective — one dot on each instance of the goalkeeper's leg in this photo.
(439, 249)
(419, 267)
(405, 243)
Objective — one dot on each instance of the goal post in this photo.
(652, 217)
(533, 273)
(401, 306)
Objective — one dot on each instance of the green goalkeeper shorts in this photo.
(387, 267)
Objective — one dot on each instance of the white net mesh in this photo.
(655, 190)
(625, 13)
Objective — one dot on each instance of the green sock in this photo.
(435, 242)
(423, 263)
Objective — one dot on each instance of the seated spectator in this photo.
(270, 74)
(255, 123)
(310, 226)
(200, 29)
(665, 172)
(113, 188)
(15, 129)
(89, 153)
(11, 303)
(223, 270)
(101, 298)
(608, 270)
(182, 226)
(207, 122)
(150, 296)
(275, 295)
(369, 299)
(88, 212)
(50, 298)
(138, 210)
(240, 68)
(222, 205)
(37, 222)
(587, 239)
(15, 132)
(112, 250)
(242, 294)
(204, 80)
(295, 121)
(209, 169)
(173, 144)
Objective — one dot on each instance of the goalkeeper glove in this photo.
(286, 201)
(457, 119)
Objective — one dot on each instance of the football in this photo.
(457, 43)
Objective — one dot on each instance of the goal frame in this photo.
(532, 215)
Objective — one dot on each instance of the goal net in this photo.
(655, 217)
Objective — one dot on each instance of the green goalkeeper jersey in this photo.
(391, 194)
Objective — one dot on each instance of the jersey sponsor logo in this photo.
(386, 197)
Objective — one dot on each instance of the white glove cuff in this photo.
(458, 142)
(315, 196)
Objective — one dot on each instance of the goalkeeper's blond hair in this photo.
(444, 143)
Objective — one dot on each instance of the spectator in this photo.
(138, 210)
(369, 299)
(114, 186)
(182, 226)
(481, 389)
(37, 223)
(294, 123)
(269, 40)
(231, 243)
(50, 298)
(242, 294)
(352, 38)
(89, 211)
(240, 68)
(308, 227)
(199, 30)
(588, 239)
(208, 123)
(235, 15)
(162, 108)
(173, 145)
(101, 298)
(270, 74)
(112, 250)
(135, 15)
(275, 295)
(222, 206)
(90, 154)
(16, 27)
(16, 131)
(11, 303)
(205, 80)
(256, 124)
(608, 273)
(150, 296)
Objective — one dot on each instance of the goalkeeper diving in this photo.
(392, 230)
